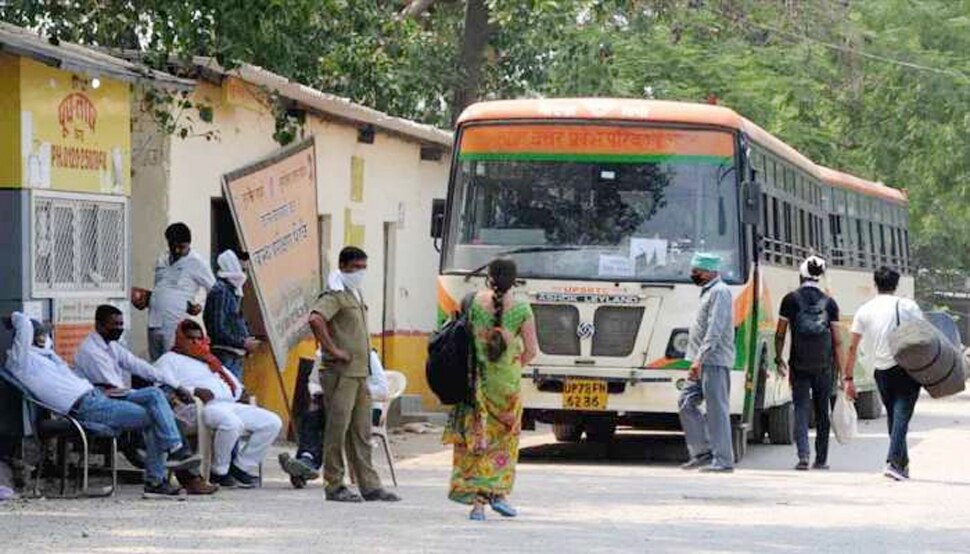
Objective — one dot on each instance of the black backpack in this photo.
(813, 318)
(450, 370)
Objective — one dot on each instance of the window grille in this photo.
(79, 245)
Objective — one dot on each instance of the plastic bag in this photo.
(844, 418)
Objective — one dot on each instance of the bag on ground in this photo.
(928, 357)
(844, 418)
(450, 367)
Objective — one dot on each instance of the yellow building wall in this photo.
(58, 131)
(9, 121)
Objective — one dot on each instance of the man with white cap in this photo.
(815, 350)
(223, 316)
(710, 351)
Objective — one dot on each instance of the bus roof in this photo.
(851, 182)
(662, 111)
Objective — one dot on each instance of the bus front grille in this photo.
(616, 331)
(556, 329)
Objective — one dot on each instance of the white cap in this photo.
(812, 268)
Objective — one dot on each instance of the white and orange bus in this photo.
(602, 203)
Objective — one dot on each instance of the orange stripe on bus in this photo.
(445, 301)
(595, 139)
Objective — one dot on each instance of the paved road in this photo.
(571, 501)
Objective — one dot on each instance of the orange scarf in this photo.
(199, 350)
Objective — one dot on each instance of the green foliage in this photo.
(805, 70)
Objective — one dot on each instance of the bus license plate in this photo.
(584, 394)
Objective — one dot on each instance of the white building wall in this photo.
(396, 182)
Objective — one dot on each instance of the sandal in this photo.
(504, 509)
(477, 513)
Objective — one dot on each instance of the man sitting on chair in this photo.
(103, 361)
(227, 409)
(309, 451)
(33, 362)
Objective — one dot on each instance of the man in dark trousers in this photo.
(339, 323)
(813, 318)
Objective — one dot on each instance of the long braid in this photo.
(503, 274)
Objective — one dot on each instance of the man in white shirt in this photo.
(103, 361)
(33, 362)
(179, 274)
(226, 410)
(871, 326)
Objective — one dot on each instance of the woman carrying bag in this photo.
(485, 434)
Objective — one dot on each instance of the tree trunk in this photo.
(474, 41)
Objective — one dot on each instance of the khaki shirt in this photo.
(347, 317)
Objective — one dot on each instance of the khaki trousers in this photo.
(347, 402)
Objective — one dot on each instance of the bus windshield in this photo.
(595, 217)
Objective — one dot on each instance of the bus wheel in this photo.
(869, 405)
(739, 442)
(567, 432)
(781, 424)
(600, 429)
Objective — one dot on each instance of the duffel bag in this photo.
(928, 357)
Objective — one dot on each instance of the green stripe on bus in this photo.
(609, 158)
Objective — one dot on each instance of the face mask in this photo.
(114, 335)
(353, 280)
(45, 350)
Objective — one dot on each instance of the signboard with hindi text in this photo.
(274, 205)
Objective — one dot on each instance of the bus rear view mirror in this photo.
(437, 218)
(751, 203)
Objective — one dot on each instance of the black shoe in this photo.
(224, 481)
(717, 469)
(163, 491)
(183, 458)
(343, 494)
(820, 466)
(243, 479)
(802, 465)
(380, 495)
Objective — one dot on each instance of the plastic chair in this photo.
(396, 383)
(63, 428)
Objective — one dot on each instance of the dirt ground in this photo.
(628, 497)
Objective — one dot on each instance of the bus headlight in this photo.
(677, 345)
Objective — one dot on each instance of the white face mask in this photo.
(353, 280)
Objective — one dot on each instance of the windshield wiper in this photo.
(524, 250)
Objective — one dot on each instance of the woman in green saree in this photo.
(485, 434)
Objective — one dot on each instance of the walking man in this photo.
(710, 351)
(179, 274)
(815, 351)
(872, 325)
(339, 323)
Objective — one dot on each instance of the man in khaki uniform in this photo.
(339, 323)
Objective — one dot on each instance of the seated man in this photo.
(309, 451)
(103, 361)
(32, 361)
(227, 410)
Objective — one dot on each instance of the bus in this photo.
(603, 202)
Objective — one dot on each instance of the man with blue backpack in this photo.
(813, 359)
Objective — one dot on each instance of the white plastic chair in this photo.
(396, 383)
